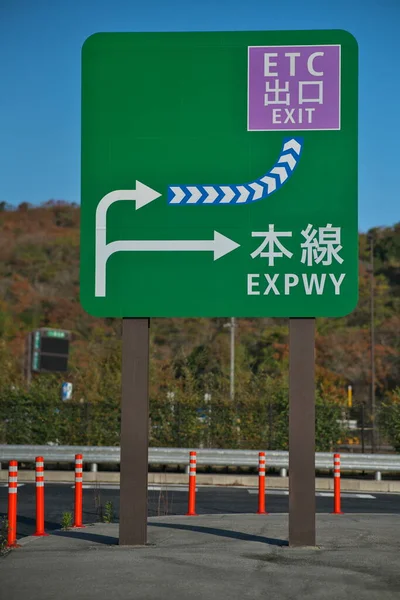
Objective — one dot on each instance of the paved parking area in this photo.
(211, 556)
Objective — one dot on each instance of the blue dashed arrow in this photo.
(213, 195)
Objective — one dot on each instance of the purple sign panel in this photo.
(293, 87)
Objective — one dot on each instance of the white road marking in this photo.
(6, 484)
(319, 494)
(168, 488)
(346, 495)
(270, 492)
(151, 487)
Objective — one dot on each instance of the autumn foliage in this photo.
(39, 287)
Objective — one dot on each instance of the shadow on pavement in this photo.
(237, 535)
(113, 541)
(27, 525)
(99, 538)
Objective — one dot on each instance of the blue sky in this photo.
(40, 46)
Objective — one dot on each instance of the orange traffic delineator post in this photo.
(40, 497)
(192, 486)
(78, 491)
(12, 503)
(336, 485)
(261, 484)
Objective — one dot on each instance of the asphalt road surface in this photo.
(172, 500)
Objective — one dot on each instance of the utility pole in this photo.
(372, 342)
(362, 427)
(232, 377)
(28, 359)
(232, 325)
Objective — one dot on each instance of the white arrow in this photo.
(281, 171)
(258, 190)
(220, 246)
(292, 145)
(271, 183)
(179, 194)
(228, 192)
(289, 159)
(244, 194)
(195, 194)
(212, 193)
(142, 195)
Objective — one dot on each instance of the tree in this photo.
(389, 418)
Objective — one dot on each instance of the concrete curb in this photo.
(212, 479)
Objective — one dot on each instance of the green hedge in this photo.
(389, 418)
(257, 419)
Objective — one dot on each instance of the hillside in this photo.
(39, 287)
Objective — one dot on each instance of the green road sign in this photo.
(219, 174)
(49, 349)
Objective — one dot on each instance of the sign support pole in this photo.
(134, 432)
(301, 432)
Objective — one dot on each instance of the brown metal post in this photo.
(134, 432)
(301, 432)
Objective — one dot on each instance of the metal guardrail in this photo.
(95, 455)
